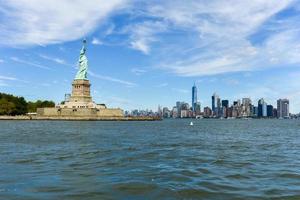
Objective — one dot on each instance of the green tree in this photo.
(32, 106)
(14, 105)
(21, 106)
(6, 107)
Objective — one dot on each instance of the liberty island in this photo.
(80, 104)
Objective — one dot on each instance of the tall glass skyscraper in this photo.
(194, 97)
(262, 108)
(215, 103)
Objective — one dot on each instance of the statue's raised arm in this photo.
(83, 63)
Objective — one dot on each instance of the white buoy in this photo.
(191, 124)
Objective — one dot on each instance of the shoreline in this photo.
(92, 118)
(68, 118)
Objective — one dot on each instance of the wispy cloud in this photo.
(162, 85)
(142, 35)
(1, 61)
(110, 29)
(56, 60)
(231, 81)
(5, 79)
(108, 78)
(28, 22)
(96, 41)
(8, 78)
(217, 36)
(138, 71)
(16, 59)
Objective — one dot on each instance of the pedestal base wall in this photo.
(80, 112)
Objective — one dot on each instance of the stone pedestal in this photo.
(81, 91)
(81, 95)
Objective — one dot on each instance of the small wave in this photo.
(49, 189)
(24, 161)
(237, 176)
(134, 188)
(193, 193)
(290, 175)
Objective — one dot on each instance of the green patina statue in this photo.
(83, 64)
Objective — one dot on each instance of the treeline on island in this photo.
(14, 105)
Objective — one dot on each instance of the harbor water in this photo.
(169, 159)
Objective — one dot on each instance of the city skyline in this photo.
(220, 108)
(146, 54)
(223, 108)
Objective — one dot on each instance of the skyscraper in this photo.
(269, 111)
(214, 103)
(225, 103)
(219, 106)
(262, 108)
(283, 108)
(197, 108)
(246, 107)
(194, 97)
(207, 112)
(178, 106)
(246, 101)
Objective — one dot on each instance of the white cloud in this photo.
(138, 71)
(16, 59)
(213, 37)
(57, 60)
(162, 85)
(11, 78)
(1, 61)
(231, 81)
(31, 22)
(108, 78)
(96, 41)
(191, 38)
(142, 35)
(4, 79)
(109, 30)
(8, 78)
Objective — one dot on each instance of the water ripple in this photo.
(214, 159)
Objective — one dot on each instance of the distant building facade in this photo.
(283, 108)
(270, 111)
(207, 112)
(262, 108)
(215, 104)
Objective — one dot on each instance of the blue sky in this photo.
(145, 53)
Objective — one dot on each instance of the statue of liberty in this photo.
(83, 64)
